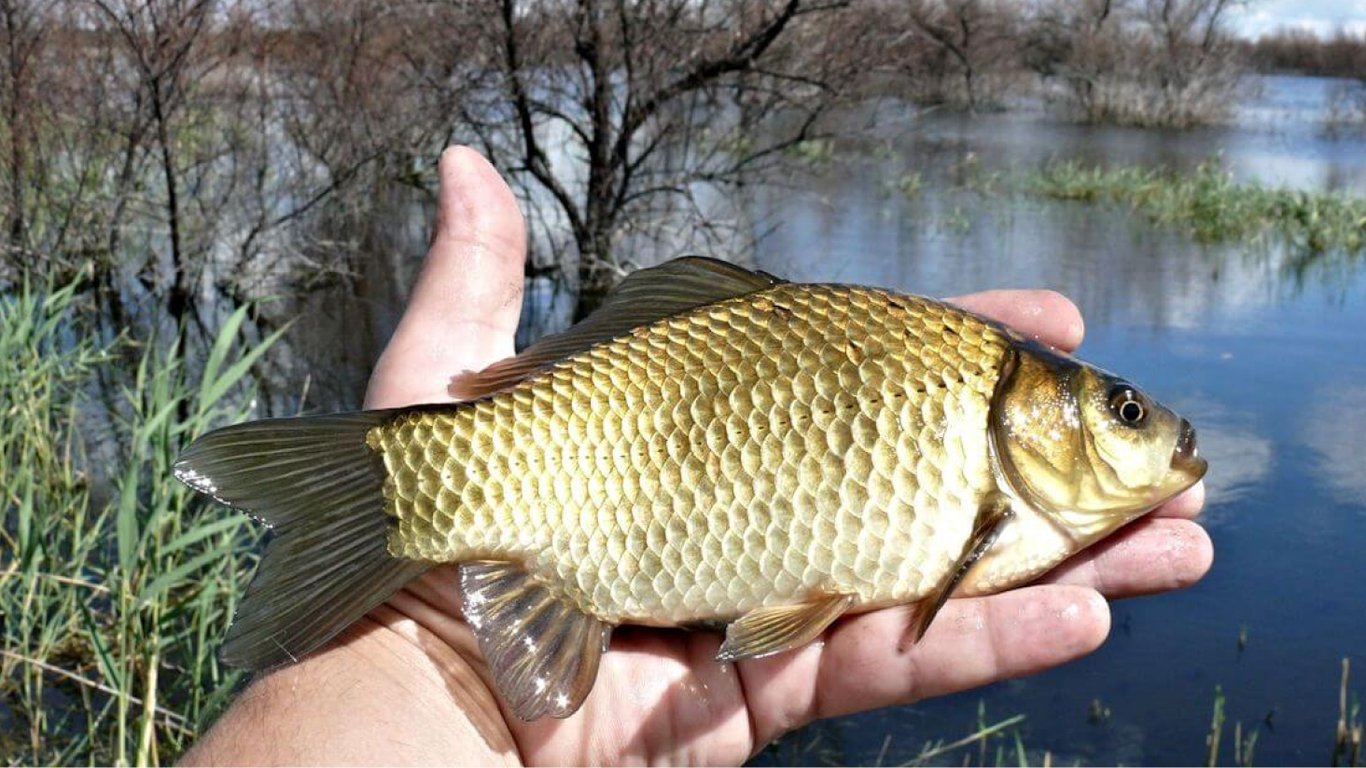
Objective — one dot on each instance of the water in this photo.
(1260, 357)
(1263, 360)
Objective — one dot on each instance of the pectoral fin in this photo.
(766, 631)
(542, 651)
(991, 519)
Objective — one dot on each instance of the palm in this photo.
(660, 696)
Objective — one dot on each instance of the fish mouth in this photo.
(1186, 458)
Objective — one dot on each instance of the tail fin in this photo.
(320, 487)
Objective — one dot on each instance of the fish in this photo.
(713, 447)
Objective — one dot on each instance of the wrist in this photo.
(396, 688)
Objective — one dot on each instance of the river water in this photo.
(1262, 357)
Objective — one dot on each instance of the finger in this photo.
(972, 642)
(1047, 316)
(464, 307)
(1186, 504)
(1152, 555)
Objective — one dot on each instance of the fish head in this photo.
(1086, 447)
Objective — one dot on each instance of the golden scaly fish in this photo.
(712, 446)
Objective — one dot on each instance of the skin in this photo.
(406, 685)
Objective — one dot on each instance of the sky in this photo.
(1257, 17)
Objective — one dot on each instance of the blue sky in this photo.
(1260, 16)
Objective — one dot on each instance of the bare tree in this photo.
(24, 27)
(71, 150)
(1197, 61)
(978, 37)
(196, 154)
(161, 38)
(1146, 62)
(611, 110)
(1072, 41)
(362, 97)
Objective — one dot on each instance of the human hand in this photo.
(660, 696)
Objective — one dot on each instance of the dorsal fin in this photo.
(643, 297)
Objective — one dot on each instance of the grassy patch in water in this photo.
(988, 743)
(113, 598)
(1213, 208)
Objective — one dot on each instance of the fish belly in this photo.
(801, 440)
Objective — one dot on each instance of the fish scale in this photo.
(753, 452)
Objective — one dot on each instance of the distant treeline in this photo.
(1302, 52)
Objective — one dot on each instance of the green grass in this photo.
(987, 743)
(1002, 742)
(1347, 742)
(996, 744)
(112, 607)
(1210, 206)
(1205, 203)
(1243, 746)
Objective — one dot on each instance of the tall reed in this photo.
(114, 591)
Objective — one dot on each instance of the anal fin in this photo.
(542, 651)
(766, 631)
(991, 519)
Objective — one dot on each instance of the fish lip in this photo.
(1186, 457)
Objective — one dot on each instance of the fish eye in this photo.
(1127, 405)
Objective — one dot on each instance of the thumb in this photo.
(463, 311)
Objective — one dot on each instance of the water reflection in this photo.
(1240, 459)
(1117, 268)
(1333, 428)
